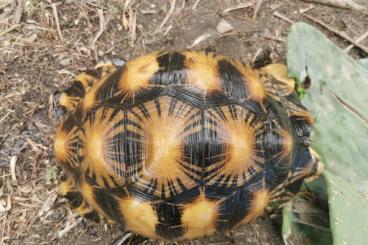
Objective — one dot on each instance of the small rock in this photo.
(224, 26)
(65, 62)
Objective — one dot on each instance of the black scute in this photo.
(232, 81)
(106, 199)
(235, 205)
(171, 69)
(169, 225)
(110, 86)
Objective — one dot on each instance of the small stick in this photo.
(279, 39)
(346, 4)
(99, 33)
(283, 17)
(172, 7)
(358, 40)
(18, 12)
(200, 39)
(54, 12)
(132, 25)
(256, 9)
(9, 29)
(195, 4)
(5, 116)
(258, 52)
(338, 33)
(236, 7)
(302, 11)
(13, 161)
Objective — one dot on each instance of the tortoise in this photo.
(177, 145)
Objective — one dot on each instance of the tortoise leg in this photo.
(318, 166)
(306, 167)
(78, 204)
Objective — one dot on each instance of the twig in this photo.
(132, 25)
(99, 33)
(338, 33)
(283, 17)
(358, 40)
(56, 17)
(236, 7)
(346, 4)
(5, 116)
(279, 39)
(302, 11)
(258, 52)
(9, 29)
(8, 205)
(172, 7)
(200, 39)
(88, 2)
(18, 12)
(195, 4)
(13, 161)
(256, 9)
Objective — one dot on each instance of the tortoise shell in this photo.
(180, 145)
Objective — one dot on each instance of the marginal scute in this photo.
(259, 203)
(88, 195)
(68, 102)
(138, 72)
(65, 146)
(90, 99)
(60, 146)
(254, 84)
(199, 217)
(86, 80)
(202, 71)
(139, 217)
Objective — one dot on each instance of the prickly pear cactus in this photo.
(338, 100)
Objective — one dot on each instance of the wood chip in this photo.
(283, 17)
(7, 207)
(224, 26)
(13, 161)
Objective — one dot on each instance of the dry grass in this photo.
(43, 44)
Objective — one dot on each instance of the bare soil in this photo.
(36, 62)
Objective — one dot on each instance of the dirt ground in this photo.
(37, 60)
